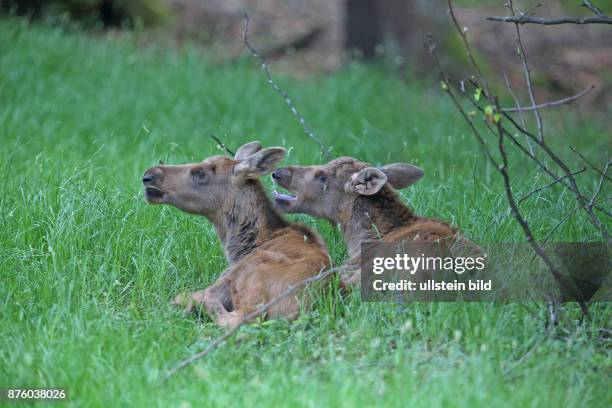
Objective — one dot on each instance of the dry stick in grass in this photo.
(245, 39)
(258, 312)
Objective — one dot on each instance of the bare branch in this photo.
(526, 19)
(571, 182)
(593, 8)
(468, 48)
(603, 210)
(601, 180)
(326, 152)
(569, 99)
(527, 73)
(517, 105)
(258, 312)
(526, 196)
(567, 178)
(503, 169)
(446, 83)
(587, 161)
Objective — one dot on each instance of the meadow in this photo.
(88, 267)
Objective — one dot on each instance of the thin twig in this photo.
(587, 161)
(526, 196)
(517, 105)
(526, 19)
(593, 8)
(550, 104)
(447, 84)
(603, 210)
(601, 180)
(221, 144)
(468, 48)
(559, 223)
(264, 66)
(527, 73)
(258, 312)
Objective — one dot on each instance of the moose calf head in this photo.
(324, 190)
(205, 188)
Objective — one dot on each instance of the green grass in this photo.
(88, 268)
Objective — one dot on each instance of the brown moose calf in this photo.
(266, 254)
(363, 201)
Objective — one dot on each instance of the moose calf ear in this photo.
(367, 182)
(402, 175)
(247, 149)
(260, 163)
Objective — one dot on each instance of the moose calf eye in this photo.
(198, 175)
(321, 178)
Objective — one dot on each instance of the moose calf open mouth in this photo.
(288, 199)
(153, 194)
(284, 199)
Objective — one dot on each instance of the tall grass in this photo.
(88, 268)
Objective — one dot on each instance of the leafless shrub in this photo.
(499, 124)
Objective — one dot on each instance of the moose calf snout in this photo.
(151, 175)
(282, 174)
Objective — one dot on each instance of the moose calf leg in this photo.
(215, 299)
(189, 301)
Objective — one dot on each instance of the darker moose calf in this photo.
(266, 254)
(362, 199)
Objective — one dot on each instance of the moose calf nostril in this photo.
(276, 175)
(147, 178)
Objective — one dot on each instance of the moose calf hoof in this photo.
(230, 320)
(189, 302)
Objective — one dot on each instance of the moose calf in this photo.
(266, 254)
(362, 200)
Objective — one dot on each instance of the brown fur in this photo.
(266, 254)
(325, 191)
